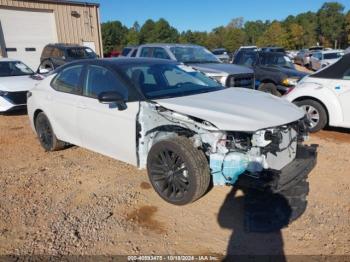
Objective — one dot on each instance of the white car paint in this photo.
(334, 94)
(13, 84)
(231, 127)
(87, 123)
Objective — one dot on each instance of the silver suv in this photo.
(202, 60)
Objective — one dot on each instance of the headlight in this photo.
(220, 79)
(290, 81)
(3, 93)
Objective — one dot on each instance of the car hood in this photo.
(17, 83)
(289, 72)
(219, 68)
(236, 109)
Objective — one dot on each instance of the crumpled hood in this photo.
(236, 109)
(219, 68)
(17, 83)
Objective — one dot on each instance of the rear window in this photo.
(81, 52)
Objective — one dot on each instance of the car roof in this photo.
(63, 45)
(169, 45)
(114, 61)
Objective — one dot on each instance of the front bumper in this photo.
(6, 106)
(278, 180)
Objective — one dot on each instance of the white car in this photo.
(184, 127)
(15, 80)
(321, 59)
(325, 96)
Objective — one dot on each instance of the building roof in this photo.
(70, 2)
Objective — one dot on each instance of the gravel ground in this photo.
(78, 202)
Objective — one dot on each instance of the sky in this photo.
(203, 15)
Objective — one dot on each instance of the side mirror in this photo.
(112, 97)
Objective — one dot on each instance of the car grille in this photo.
(17, 98)
(243, 80)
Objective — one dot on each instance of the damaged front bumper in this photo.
(278, 180)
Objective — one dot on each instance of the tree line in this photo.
(329, 26)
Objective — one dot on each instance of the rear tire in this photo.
(178, 171)
(315, 112)
(46, 135)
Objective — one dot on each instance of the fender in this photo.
(318, 92)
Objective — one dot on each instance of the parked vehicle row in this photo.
(321, 59)
(200, 59)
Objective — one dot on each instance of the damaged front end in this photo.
(271, 158)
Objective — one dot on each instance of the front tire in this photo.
(315, 113)
(46, 135)
(178, 171)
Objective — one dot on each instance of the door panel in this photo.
(105, 129)
(64, 116)
(342, 88)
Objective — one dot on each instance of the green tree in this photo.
(295, 34)
(308, 21)
(233, 38)
(254, 30)
(164, 33)
(275, 35)
(331, 21)
(146, 30)
(347, 28)
(113, 35)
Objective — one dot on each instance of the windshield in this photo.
(14, 68)
(193, 54)
(332, 55)
(81, 52)
(169, 80)
(276, 60)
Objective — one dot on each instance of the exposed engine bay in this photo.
(230, 154)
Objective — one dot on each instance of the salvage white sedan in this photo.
(184, 127)
(15, 80)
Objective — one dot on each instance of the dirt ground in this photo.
(78, 202)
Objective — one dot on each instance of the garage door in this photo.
(25, 33)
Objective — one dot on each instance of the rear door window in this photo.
(68, 80)
(100, 79)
